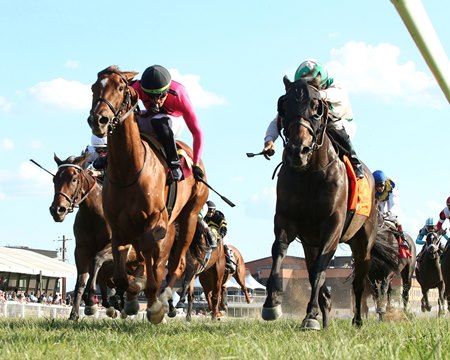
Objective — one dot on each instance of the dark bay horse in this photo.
(312, 203)
(445, 268)
(75, 187)
(406, 265)
(135, 194)
(429, 273)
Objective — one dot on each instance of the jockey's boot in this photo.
(342, 138)
(404, 243)
(211, 238)
(229, 264)
(165, 135)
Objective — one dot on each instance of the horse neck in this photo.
(324, 155)
(126, 151)
(93, 201)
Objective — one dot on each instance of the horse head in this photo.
(432, 246)
(304, 122)
(113, 100)
(68, 182)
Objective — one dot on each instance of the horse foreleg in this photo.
(80, 286)
(441, 302)
(325, 304)
(272, 306)
(190, 295)
(362, 265)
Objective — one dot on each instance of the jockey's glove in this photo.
(198, 173)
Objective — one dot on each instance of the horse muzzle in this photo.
(58, 212)
(98, 123)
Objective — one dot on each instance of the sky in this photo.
(232, 57)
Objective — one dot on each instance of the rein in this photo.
(73, 201)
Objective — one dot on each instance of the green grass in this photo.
(424, 338)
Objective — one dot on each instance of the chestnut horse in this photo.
(312, 204)
(212, 275)
(429, 273)
(134, 196)
(75, 187)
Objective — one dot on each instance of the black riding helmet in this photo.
(156, 79)
(211, 205)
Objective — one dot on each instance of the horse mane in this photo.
(76, 160)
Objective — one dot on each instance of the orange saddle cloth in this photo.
(359, 198)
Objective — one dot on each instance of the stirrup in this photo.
(177, 174)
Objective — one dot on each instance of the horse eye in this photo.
(74, 180)
(121, 88)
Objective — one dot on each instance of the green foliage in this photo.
(228, 339)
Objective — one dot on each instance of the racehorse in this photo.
(445, 268)
(212, 274)
(429, 274)
(134, 196)
(200, 258)
(75, 187)
(383, 267)
(312, 202)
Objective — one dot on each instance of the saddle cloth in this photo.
(359, 198)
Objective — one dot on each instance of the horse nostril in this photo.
(103, 120)
(62, 210)
(305, 150)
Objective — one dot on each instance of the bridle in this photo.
(117, 119)
(77, 197)
(315, 123)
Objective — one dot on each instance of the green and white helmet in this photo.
(310, 69)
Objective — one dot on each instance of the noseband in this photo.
(76, 199)
(126, 103)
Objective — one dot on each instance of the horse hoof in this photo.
(357, 323)
(111, 312)
(272, 313)
(90, 310)
(131, 307)
(172, 313)
(180, 305)
(155, 316)
(311, 324)
(123, 315)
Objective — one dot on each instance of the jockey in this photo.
(387, 198)
(444, 215)
(96, 156)
(340, 111)
(216, 219)
(167, 104)
(204, 228)
(429, 227)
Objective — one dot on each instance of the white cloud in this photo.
(199, 97)
(4, 104)
(62, 94)
(72, 64)
(377, 71)
(7, 144)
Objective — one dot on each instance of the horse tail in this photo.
(385, 259)
(198, 246)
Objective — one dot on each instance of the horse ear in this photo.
(57, 159)
(287, 82)
(129, 75)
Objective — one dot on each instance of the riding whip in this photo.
(222, 197)
(35, 163)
